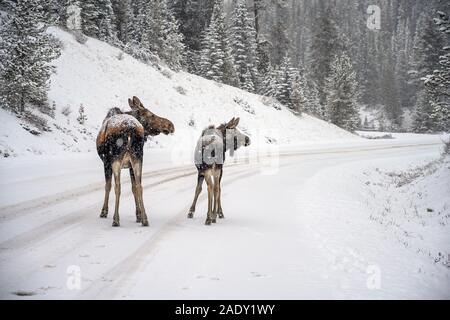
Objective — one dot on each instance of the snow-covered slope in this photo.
(99, 77)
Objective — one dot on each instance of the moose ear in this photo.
(137, 103)
(130, 103)
(230, 125)
(236, 122)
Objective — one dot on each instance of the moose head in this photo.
(234, 137)
(153, 125)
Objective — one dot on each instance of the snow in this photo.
(121, 119)
(311, 210)
(304, 231)
(101, 77)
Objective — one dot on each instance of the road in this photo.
(54, 245)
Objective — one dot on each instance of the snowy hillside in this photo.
(99, 76)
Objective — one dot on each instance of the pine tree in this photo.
(26, 51)
(427, 51)
(402, 47)
(438, 83)
(298, 97)
(51, 9)
(263, 52)
(269, 85)
(247, 82)
(97, 19)
(427, 47)
(325, 46)
(422, 121)
(159, 33)
(216, 62)
(285, 81)
(279, 35)
(72, 16)
(243, 46)
(366, 123)
(124, 19)
(390, 93)
(81, 115)
(342, 94)
(193, 16)
(62, 10)
(313, 106)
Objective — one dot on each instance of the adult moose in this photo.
(209, 160)
(120, 145)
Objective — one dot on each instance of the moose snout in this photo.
(169, 129)
(247, 141)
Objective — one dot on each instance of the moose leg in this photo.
(136, 197)
(198, 190)
(116, 167)
(210, 184)
(108, 177)
(216, 189)
(137, 169)
(219, 199)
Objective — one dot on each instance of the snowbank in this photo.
(399, 217)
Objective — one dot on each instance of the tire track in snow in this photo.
(70, 218)
(43, 231)
(57, 256)
(74, 218)
(173, 222)
(28, 207)
(113, 281)
(133, 262)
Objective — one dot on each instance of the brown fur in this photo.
(104, 134)
(120, 146)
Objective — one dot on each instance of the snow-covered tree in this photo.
(194, 17)
(391, 95)
(26, 51)
(438, 83)
(51, 9)
(313, 106)
(325, 45)
(298, 96)
(286, 77)
(422, 120)
(269, 84)
(279, 32)
(73, 16)
(158, 31)
(81, 115)
(427, 50)
(216, 62)
(427, 47)
(263, 52)
(342, 94)
(97, 19)
(243, 46)
(124, 19)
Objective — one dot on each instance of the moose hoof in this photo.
(145, 223)
(116, 224)
(214, 221)
(221, 216)
(104, 214)
(208, 222)
(190, 215)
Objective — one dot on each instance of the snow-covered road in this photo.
(300, 231)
